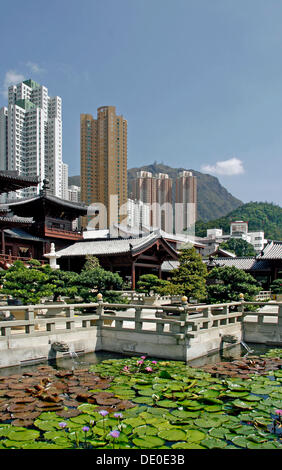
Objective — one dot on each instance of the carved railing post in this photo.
(100, 310)
(70, 314)
(29, 315)
(184, 313)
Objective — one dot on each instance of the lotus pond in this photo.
(137, 403)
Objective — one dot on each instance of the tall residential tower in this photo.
(103, 151)
(31, 135)
(185, 202)
(156, 191)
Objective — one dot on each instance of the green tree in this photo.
(190, 277)
(151, 283)
(28, 284)
(238, 246)
(91, 262)
(65, 283)
(276, 286)
(98, 280)
(226, 283)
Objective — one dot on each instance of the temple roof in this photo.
(47, 204)
(14, 220)
(273, 250)
(12, 181)
(22, 234)
(113, 246)
(247, 264)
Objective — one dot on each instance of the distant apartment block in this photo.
(138, 215)
(31, 136)
(156, 191)
(103, 150)
(185, 202)
(74, 193)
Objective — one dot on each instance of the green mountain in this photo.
(259, 215)
(213, 199)
(74, 180)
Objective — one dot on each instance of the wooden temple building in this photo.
(130, 257)
(29, 225)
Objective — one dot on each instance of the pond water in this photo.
(74, 361)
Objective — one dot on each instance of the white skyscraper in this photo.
(31, 135)
(65, 181)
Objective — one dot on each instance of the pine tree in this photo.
(190, 277)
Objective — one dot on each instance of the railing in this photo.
(264, 295)
(60, 233)
(181, 321)
(5, 258)
(274, 313)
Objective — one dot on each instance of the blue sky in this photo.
(199, 81)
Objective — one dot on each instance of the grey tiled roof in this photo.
(16, 220)
(22, 234)
(49, 197)
(272, 250)
(108, 246)
(247, 264)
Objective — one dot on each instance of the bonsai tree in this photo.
(98, 280)
(28, 284)
(190, 277)
(65, 283)
(151, 283)
(226, 283)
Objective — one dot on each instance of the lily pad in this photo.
(173, 434)
(187, 445)
(242, 404)
(194, 435)
(207, 423)
(167, 404)
(148, 443)
(23, 434)
(212, 443)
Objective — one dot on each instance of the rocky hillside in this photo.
(213, 199)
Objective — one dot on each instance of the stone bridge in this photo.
(183, 332)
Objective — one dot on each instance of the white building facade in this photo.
(74, 193)
(31, 136)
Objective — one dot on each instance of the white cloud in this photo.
(35, 68)
(11, 78)
(230, 167)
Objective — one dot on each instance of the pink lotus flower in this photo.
(115, 433)
(126, 369)
(149, 369)
(154, 362)
(278, 412)
(143, 357)
(140, 362)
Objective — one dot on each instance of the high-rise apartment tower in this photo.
(31, 135)
(185, 201)
(103, 151)
(156, 191)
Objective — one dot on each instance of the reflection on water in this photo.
(230, 354)
(75, 361)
